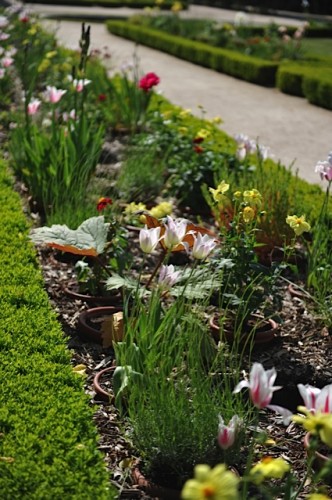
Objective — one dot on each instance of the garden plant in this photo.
(217, 230)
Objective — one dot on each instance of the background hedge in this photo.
(48, 442)
(248, 68)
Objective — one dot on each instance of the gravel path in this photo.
(297, 132)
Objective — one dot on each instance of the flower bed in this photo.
(156, 163)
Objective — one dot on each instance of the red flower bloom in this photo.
(148, 81)
(198, 149)
(103, 202)
(198, 140)
(102, 97)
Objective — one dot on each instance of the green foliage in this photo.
(46, 429)
(139, 4)
(223, 60)
(311, 81)
(175, 385)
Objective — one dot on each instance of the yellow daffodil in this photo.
(183, 130)
(248, 214)
(214, 484)
(298, 224)
(218, 193)
(252, 197)
(316, 423)
(237, 194)
(164, 208)
(268, 468)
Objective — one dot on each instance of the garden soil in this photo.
(297, 133)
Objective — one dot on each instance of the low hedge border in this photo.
(313, 82)
(248, 68)
(135, 4)
(48, 442)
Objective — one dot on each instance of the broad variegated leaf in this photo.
(89, 238)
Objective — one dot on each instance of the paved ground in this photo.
(295, 130)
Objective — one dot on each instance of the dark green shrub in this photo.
(227, 61)
(48, 442)
(318, 90)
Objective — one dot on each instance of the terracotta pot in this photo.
(320, 459)
(264, 332)
(112, 299)
(294, 291)
(153, 489)
(89, 328)
(102, 393)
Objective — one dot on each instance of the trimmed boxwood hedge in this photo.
(48, 442)
(135, 4)
(248, 68)
(313, 82)
(310, 79)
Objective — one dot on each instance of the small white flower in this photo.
(149, 239)
(168, 276)
(175, 232)
(203, 246)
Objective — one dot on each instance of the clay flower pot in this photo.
(113, 299)
(101, 376)
(264, 330)
(90, 324)
(153, 489)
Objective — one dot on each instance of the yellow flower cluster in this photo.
(253, 198)
(161, 210)
(214, 484)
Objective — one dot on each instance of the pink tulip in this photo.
(7, 61)
(324, 168)
(80, 84)
(261, 389)
(33, 106)
(227, 433)
(53, 95)
(260, 385)
(316, 399)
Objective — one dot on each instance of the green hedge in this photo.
(136, 4)
(48, 442)
(225, 61)
(313, 82)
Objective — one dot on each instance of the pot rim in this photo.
(104, 395)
